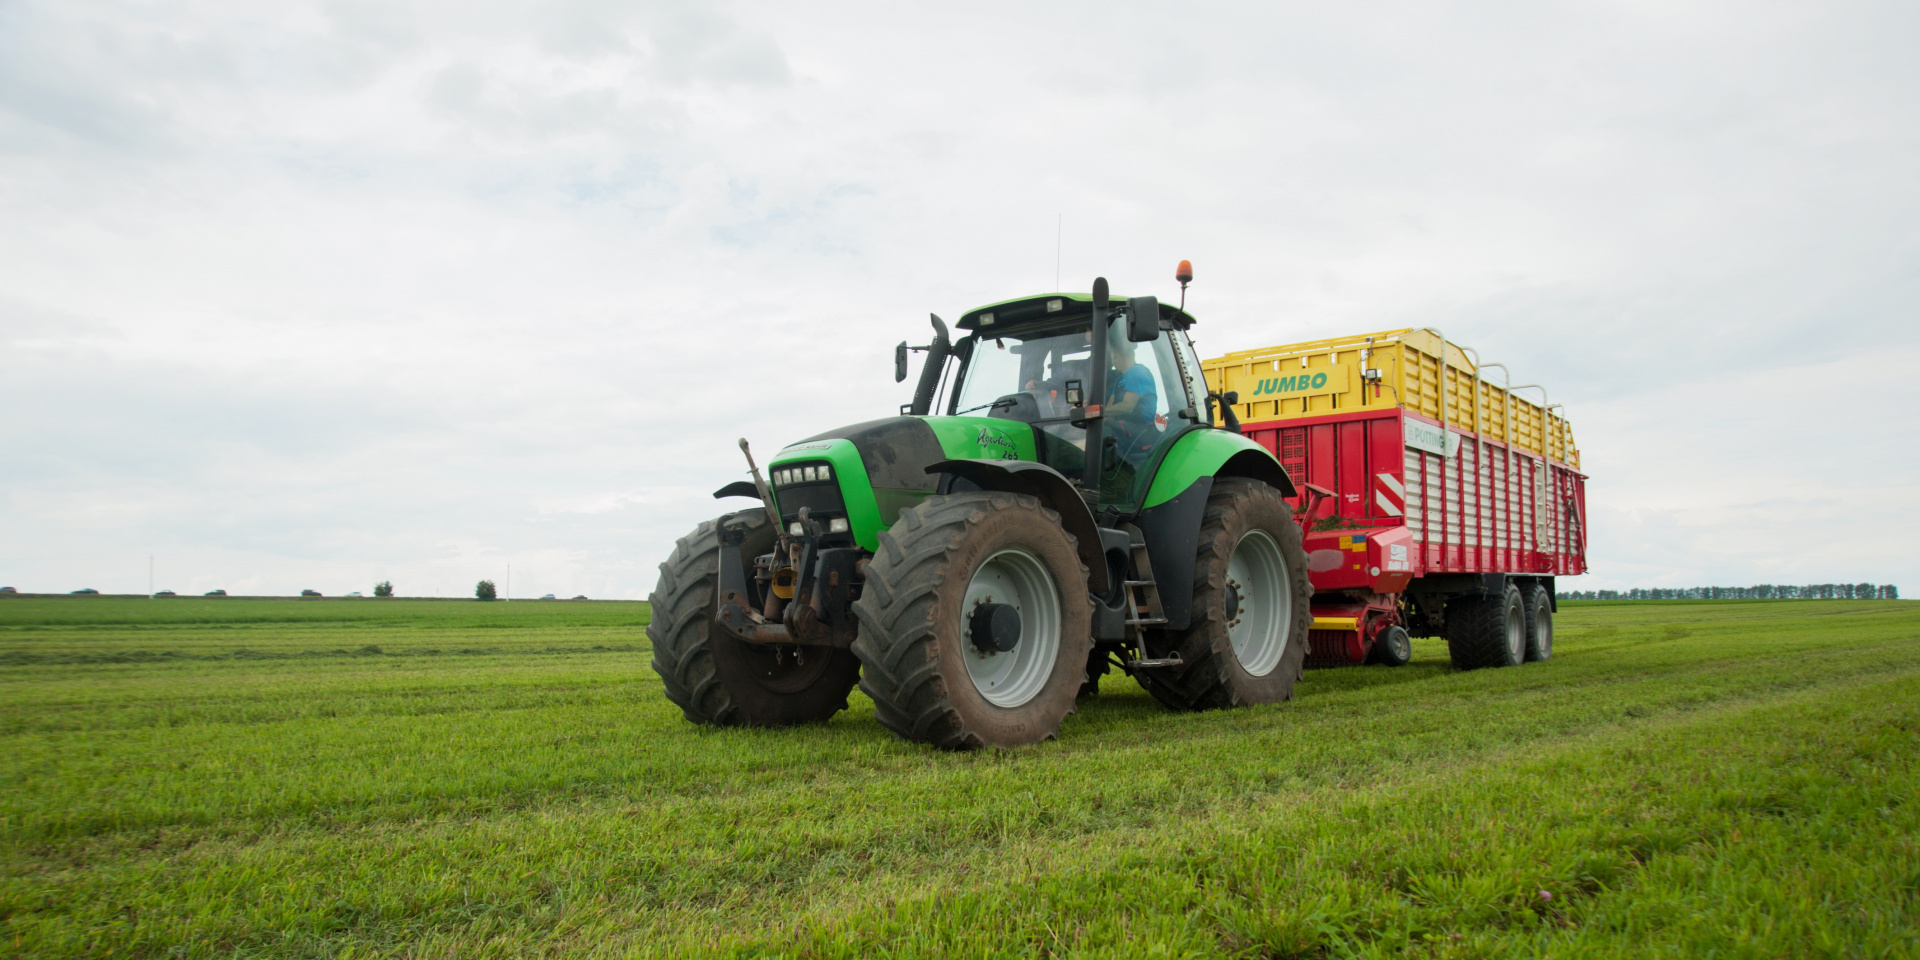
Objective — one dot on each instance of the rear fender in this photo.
(1043, 483)
(1214, 453)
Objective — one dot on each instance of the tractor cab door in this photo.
(1151, 400)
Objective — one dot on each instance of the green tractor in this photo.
(975, 571)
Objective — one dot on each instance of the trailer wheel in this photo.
(975, 624)
(1394, 648)
(1251, 612)
(1489, 631)
(1539, 623)
(713, 676)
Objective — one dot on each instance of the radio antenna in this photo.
(1059, 228)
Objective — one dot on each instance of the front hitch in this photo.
(821, 611)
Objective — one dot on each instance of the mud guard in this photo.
(738, 488)
(1169, 529)
(1048, 486)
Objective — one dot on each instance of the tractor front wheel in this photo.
(717, 678)
(975, 625)
(1248, 640)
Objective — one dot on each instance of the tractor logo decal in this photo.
(991, 439)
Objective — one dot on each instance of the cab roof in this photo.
(1052, 307)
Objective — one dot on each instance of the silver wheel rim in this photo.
(1517, 632)
(1258, 574)
(1013, 677)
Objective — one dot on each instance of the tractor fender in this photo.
(1043, 483)
(1172, 532)
(1214, 453)
(738, 488)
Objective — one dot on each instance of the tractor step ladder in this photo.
(1143, 606)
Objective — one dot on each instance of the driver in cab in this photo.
(1132, 399)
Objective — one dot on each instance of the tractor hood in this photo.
(892, 456)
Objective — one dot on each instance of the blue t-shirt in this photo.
(1128, 427)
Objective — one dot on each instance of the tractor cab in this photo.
(1033, 360)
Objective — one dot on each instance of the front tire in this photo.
(1248, 640)
(717, 678)
(941, 656)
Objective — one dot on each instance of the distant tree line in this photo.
(1765, 591)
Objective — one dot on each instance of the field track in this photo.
(201, 778)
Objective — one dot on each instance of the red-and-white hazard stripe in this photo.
(1389, 495)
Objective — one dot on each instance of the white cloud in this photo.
(342, 291)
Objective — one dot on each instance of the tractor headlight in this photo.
(796, 529)
(837, 525)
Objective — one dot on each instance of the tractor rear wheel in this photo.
(975, 624)
(1248, 639)
(1539, 623)
(713, 676)
(1489, 631)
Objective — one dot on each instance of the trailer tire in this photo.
(925, 671)
(1539, 623)
(1239, 512)
(717, 678)
(1487, 631)
(1394, 648)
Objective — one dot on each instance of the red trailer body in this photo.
(1402, 512)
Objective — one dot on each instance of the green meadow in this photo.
(329, 778)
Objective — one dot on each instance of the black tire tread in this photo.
(900, 671)
(1537, 600)
(682, 602)
(1476, 631)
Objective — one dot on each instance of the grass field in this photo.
(195, 777)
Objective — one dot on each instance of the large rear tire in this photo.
(713, 676)
(1248, 640)
(1489, 631)
(941, 656)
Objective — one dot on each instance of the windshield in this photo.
(1038, 363)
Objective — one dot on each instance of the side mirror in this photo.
(900, 362)
(1231, 396)
(1143, 319)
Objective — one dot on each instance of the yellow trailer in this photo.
(1393, 368)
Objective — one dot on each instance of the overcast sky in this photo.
(310, 295)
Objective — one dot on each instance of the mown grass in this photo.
(239, 777)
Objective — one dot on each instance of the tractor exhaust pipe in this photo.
(937, 352)
(1097, 387)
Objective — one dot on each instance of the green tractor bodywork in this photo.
(1002, 419)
